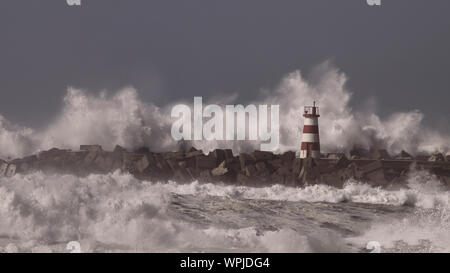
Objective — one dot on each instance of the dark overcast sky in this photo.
(398, 53)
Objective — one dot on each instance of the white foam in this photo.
(424, 191)
(122, 118)
(428, 231)
(116, 212)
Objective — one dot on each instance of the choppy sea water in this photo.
(118, 213)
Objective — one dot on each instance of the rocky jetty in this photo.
(258, 168)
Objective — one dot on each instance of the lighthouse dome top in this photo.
(311, 111)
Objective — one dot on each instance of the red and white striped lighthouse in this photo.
(310, 138)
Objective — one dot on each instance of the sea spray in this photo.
(122, 118)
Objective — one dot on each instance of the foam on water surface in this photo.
(117, 212)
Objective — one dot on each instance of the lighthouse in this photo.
(310, 138)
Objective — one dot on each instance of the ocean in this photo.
(118, 213)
